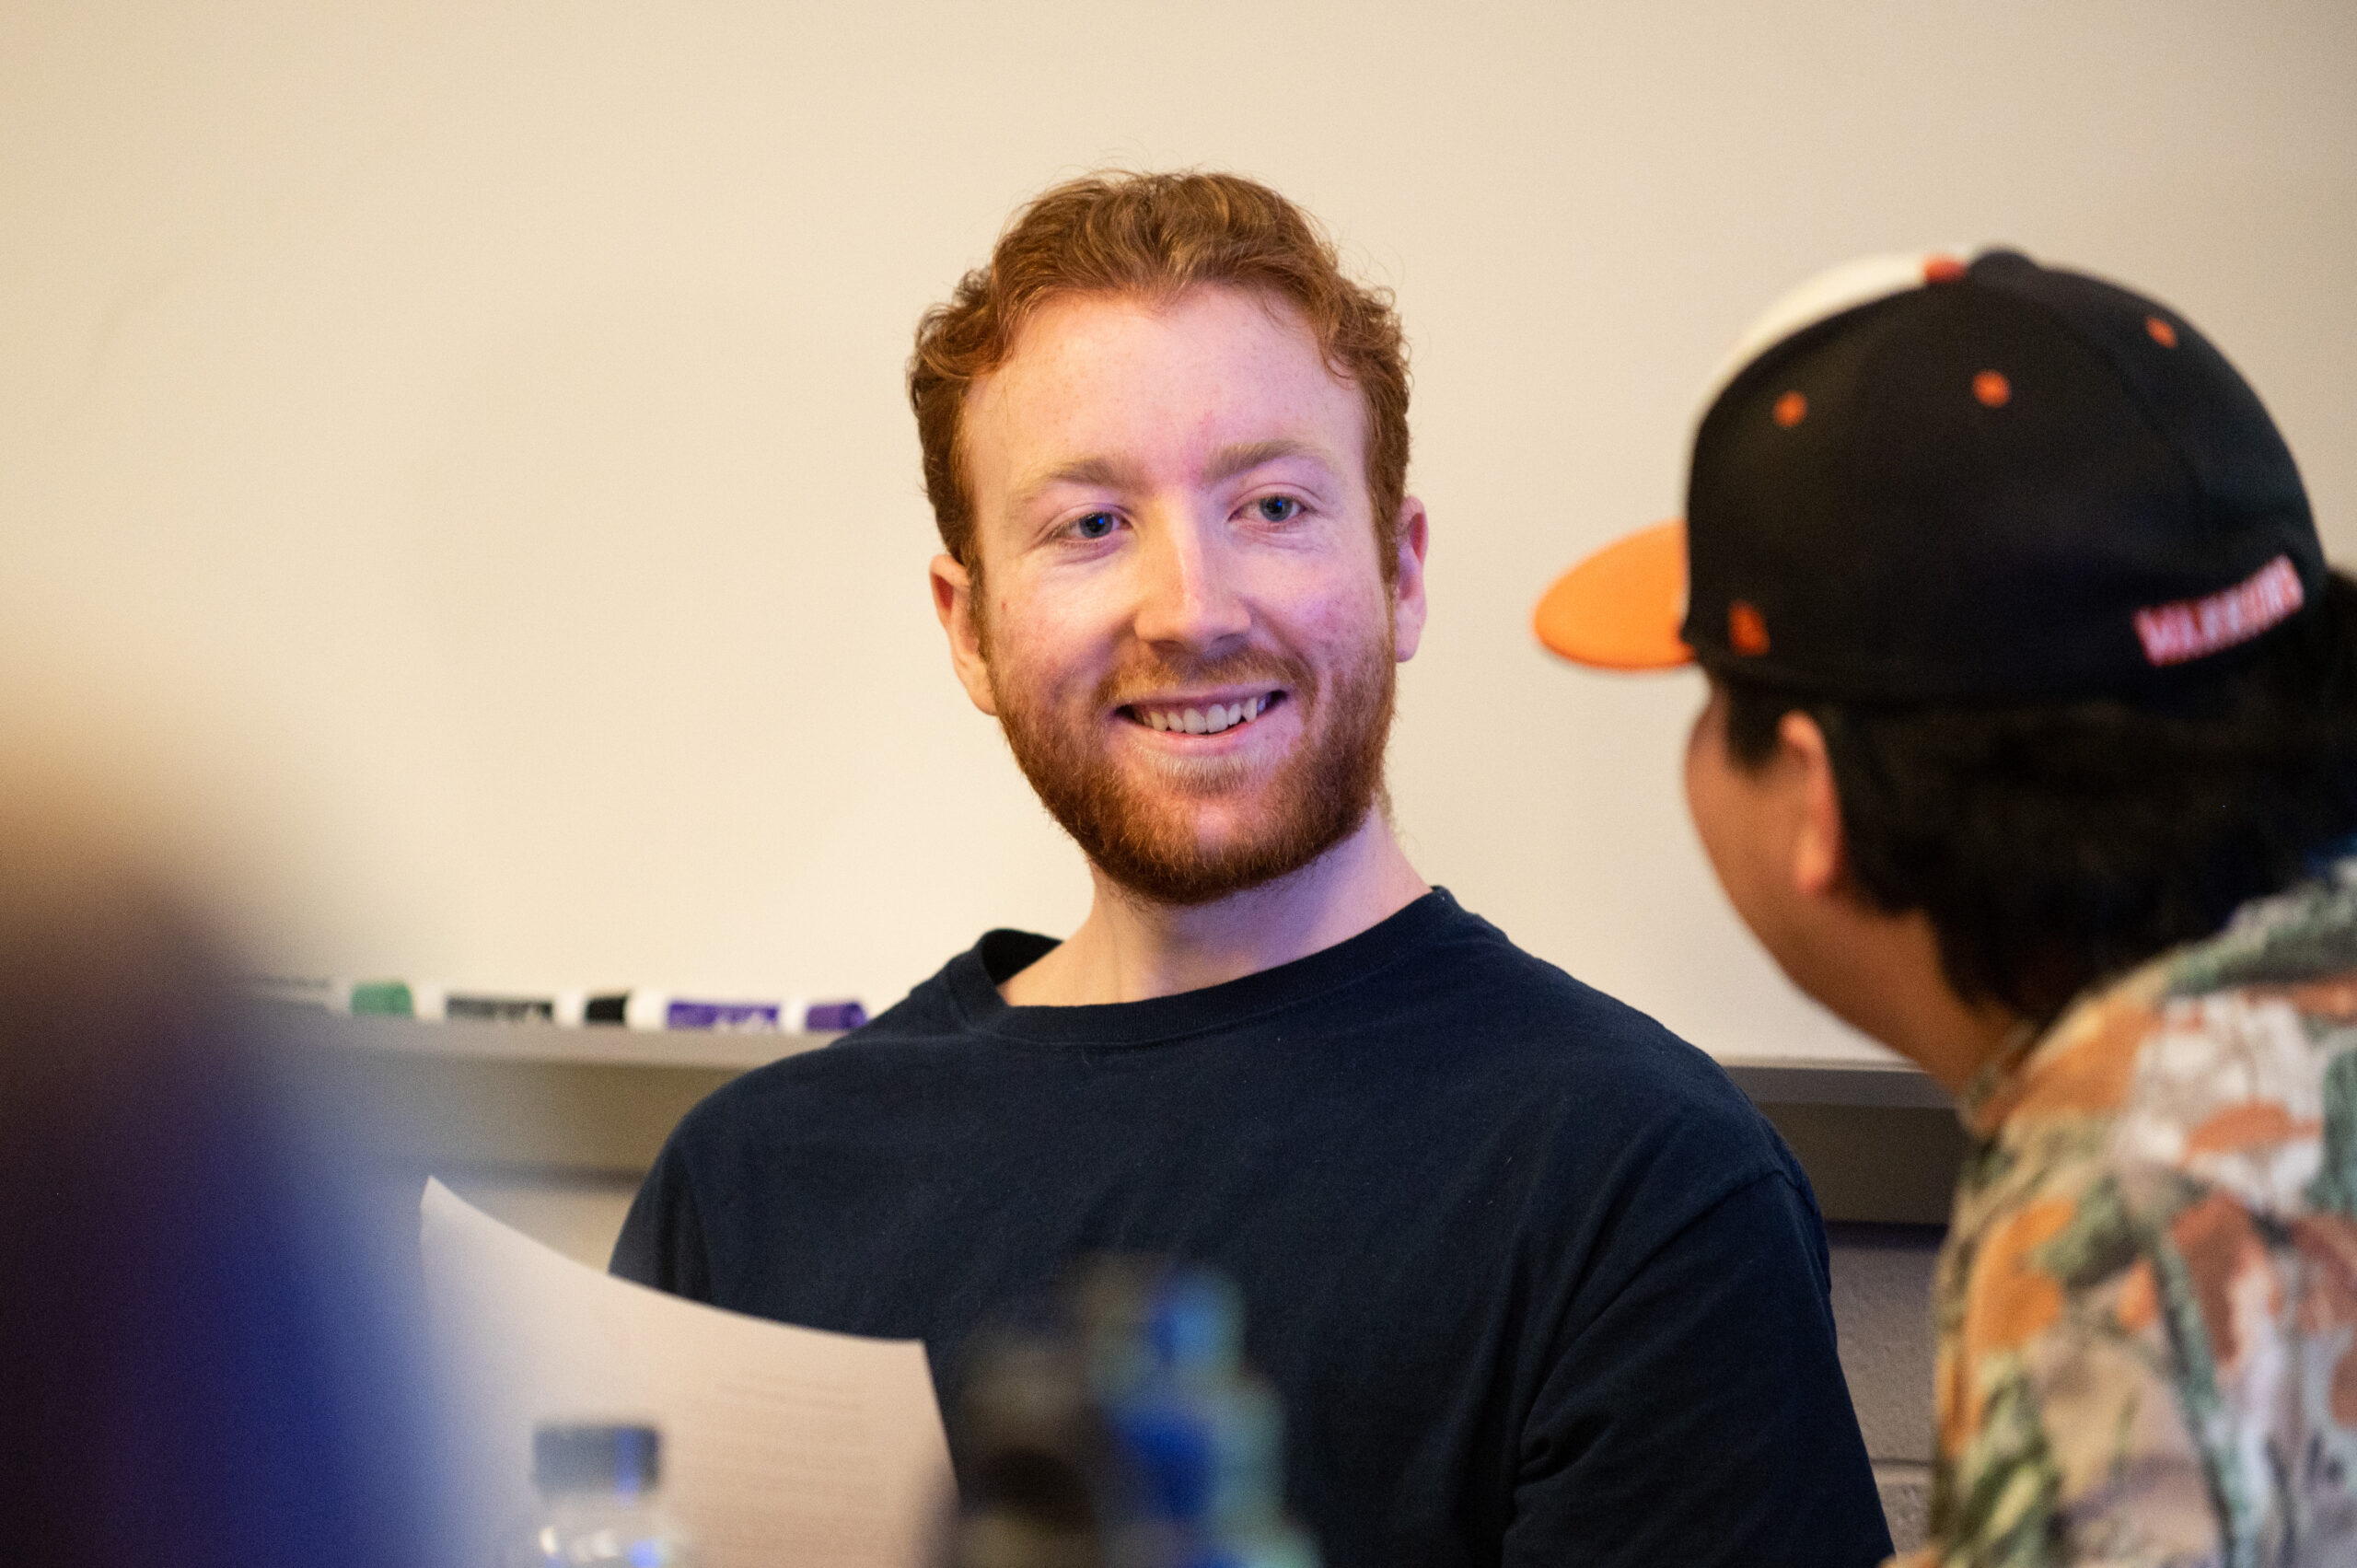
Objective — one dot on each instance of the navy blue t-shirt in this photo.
(1535, 1283)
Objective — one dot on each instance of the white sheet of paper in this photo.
(781, 1445)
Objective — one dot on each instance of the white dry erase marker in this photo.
(297, 991)
(501, 1007)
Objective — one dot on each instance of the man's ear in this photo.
(1408, 585)
(953, 601)
(1819, 851)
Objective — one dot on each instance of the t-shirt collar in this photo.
(974, 977)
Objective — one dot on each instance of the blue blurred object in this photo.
(596, 1486)
(1205, 1435)
(1121, 1429)
(206, 1355)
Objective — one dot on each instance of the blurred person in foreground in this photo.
(2031, 750)
(199, 1362)
(1533, 1280)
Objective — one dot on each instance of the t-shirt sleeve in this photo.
(1701, 1416)
(662, 1242)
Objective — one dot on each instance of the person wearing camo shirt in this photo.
(2146, 1319)
(2030, 749)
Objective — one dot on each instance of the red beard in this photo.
(1142, 834)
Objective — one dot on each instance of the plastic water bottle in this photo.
(1204, 1432)
(1123, 1430)
(596, 1486)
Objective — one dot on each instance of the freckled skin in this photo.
(1184, 577)
(1171, 502)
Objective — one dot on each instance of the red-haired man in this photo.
(1534, 1282)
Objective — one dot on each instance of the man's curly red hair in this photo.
(1156, 235)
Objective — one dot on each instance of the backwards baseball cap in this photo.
(1920, 478)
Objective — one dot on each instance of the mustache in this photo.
(1151, 673)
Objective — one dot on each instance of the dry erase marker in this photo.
(830, 1018)
(751, 1017)
(566, 1009)
(297, 991)
(643, 1008)
(486, 1007)
(382, 999)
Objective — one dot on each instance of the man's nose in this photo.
(1189, 596)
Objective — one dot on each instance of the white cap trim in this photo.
(1826, 295)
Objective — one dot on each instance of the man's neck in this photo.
(1952, 1040)
(1885, 978)
(1130, 949)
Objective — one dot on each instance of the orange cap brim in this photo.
(1620, 608)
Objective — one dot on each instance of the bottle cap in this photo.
(1195, 1324)
(595, 1458)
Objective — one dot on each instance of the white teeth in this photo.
(1202, 721)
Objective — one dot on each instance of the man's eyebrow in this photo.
(1104, 473)
(1245, 456)
(1226, 462)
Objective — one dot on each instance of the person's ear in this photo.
(1407, 605)
(953, 601)
(1819, 855)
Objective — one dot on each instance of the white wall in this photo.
(474, 431)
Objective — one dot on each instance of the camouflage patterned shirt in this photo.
(2147, 1306)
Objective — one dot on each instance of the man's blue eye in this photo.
(1279, 508)
(1097, 525)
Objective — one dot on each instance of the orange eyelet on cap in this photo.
(1993, 390)
(1791, 408)
(2160, 331)
(1746, 629)
(1942, 269)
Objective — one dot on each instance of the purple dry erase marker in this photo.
(759, 1017)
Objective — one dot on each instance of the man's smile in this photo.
(1201, 715)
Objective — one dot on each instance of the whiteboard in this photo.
(471, 435)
